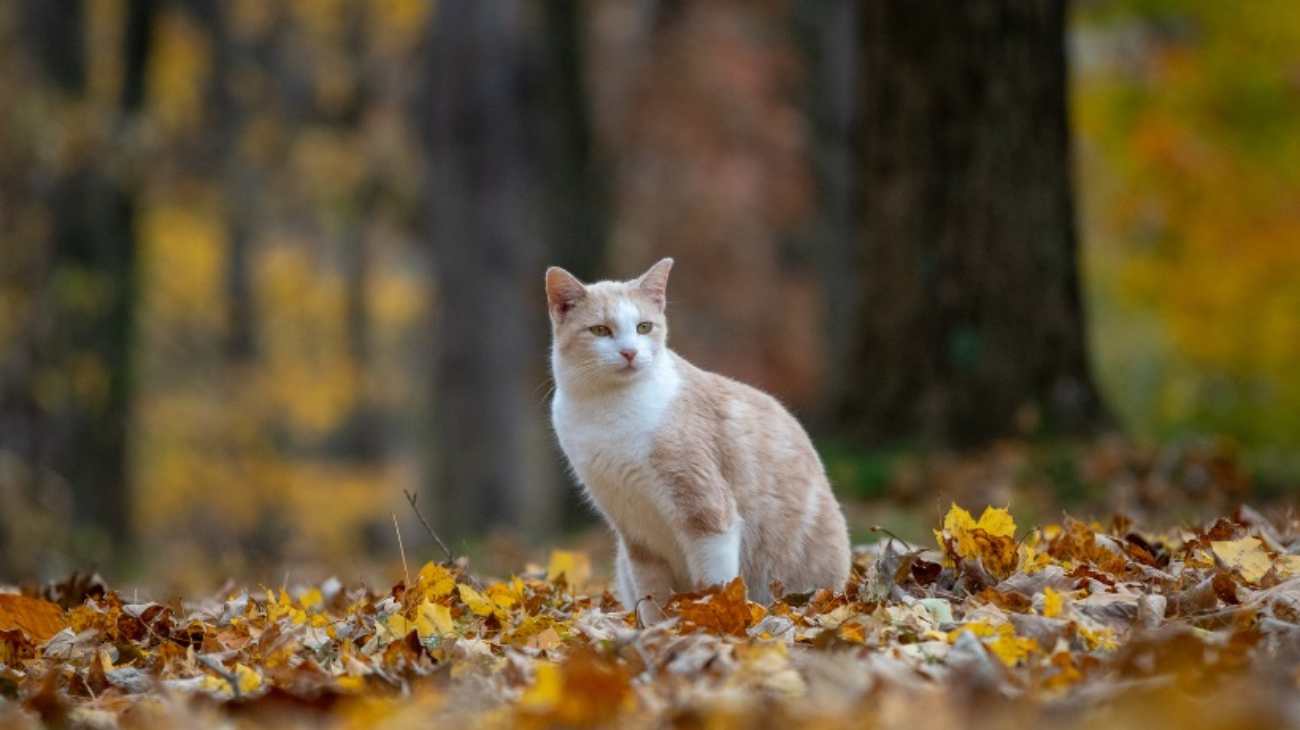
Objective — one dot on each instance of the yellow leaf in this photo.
(249, 680)
(1246, 556)
(852, 632)
(997, 521)
(1288, 566)
(547, 688)
(398, 625)
(1053, 603)
(311, 599)
(957, 519)
(501, 595)
(1099, 638)
(475, 600)
(1010, 648)
(436, 580)
(434, 620)
(991, 540)
(979, 628)
(574, 566)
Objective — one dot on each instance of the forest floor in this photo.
(987, 624)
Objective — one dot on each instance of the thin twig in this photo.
(412, 498)
(451, 559)
(406, 573)
(892, 537)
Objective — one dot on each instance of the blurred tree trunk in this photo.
(575, 186)
(489, 415)
(83, 435)
(830, 36)
(971, 324)
(237, 182)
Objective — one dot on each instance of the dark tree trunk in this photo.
(83, 436)
(575, 179)
(238, 186)
(971, 321)
(488, 254)
(829, 34)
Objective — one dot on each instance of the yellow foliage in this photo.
(991, 540)
(1006, 645)
(435, 580)
(475, 600)
(575, 567)
(184, 253)
(434, 619)
(1053, 603)
(178, 75)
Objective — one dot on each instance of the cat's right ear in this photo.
(563, 291)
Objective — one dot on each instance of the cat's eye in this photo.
(644, 328)
(600, 330)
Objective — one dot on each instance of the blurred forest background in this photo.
(266, 264)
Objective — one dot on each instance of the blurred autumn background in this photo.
(266, 265)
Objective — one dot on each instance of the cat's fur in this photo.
(701, 477)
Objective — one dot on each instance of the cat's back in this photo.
(741, 422)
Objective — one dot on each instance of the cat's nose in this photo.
(628, 355)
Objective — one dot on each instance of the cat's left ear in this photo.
(563, 291)
(654, 282)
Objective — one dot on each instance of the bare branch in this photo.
(411, 499)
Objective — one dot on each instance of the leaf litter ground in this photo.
(1068, 625)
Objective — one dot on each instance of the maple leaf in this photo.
(476, 601)
(434, 619)
(435, 580)
(720, 610)
(991, 540)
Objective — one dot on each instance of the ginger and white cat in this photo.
(701, 477)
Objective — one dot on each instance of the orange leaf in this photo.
(37, 618)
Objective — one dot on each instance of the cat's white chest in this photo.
(608, 441)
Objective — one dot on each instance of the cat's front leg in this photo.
(713, 556)
(644, 580)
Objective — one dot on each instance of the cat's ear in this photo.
(654, 282)
(563, 290)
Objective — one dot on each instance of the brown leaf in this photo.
(722, 611)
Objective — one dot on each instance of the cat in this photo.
(702, 478)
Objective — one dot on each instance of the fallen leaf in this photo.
(574, 566)
(1246, 556)
(475, 600)
(36, 618)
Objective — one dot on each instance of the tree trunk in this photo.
(237, 181)
(831, 41)
(971, 323)
(82, 435)
(489, 429)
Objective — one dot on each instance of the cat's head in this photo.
(611, 331)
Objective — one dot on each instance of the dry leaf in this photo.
(36, 618)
